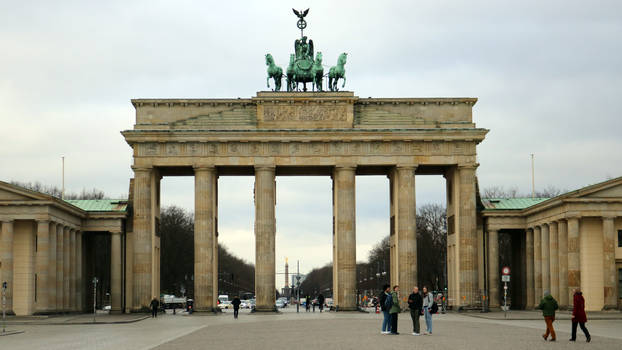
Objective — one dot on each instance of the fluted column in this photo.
(6, 255)
(265, 231)
(115, 272)
(142, 244)
(493, 267)
(537, 263)
(546, 259)
(60, 268)
(610, 273)
(574, 263)
(469, 279)
(79, 273)
(529, 275)
(562, 233)
(73, 301)
(345, 233)
(204, 234)
(554, 258)
(66, 268)
(42, 258)
(51, 265)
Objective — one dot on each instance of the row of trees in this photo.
(57, 192)
(371, 274)
(235, 275)
(513, 192)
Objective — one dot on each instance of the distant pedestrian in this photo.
(320, 300)
(154, 307)
(395, 309)
(548, 305)
(428, 302)
(415, 303)
(314, 303)
(386, 301)
(308, 303)
(236, 306)
(578, 316)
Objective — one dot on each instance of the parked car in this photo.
(280, 304)
(225, 305)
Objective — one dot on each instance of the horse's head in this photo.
(343, 58)
(318, 58)
(269, 59)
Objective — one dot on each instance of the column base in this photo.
(272, 309)
(344, 308)
(215, 310)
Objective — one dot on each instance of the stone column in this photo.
(60, 268)
(493, 267)
(537, 264)
(204, 232)
(142, 244)
(469, 281)
(610, 273)
(66, 268)
(265, 231)
(574, 264)
(546, 260)
(42, 259)
(529, 276)
(562, 241)
(345, 234)
(73, 301)
(6, 255)
(51, 264)
(115, 272)
(79, 276)
(554, 256)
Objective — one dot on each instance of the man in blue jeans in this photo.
(386, 321)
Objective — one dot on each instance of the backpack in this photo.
(388, 302)
(434, 308)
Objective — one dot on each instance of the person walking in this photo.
(578, 316)
(313, 303)
(320, 300)
(154, 307)
(428, 301)
(307, 303)
(236, 306)
(548, 305)
(386, 301)
(415, 304)
(395, 309)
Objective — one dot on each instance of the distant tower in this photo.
(286, 274)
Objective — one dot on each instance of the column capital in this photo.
(345, 166)
(265, 167)
(198, 167)
(43, 221)
(608, 217)
(468, 166)
(7, 221)
(406, 166)
(141, 168)
(573, 217)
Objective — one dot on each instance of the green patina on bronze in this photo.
(303, 67)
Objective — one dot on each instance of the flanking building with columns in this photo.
(557, 244)
(49, 247)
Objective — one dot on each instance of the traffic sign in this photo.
(505, 278)
(505, 270)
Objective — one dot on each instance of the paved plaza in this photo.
(289, 330)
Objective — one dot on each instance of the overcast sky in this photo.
(547, 75)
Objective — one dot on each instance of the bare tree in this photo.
(57, 192)
(500, 192)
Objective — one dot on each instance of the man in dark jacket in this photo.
(578, 315)
(320, 301)
(548, 305)
(236, 306)
(154, 307)
(415, 303)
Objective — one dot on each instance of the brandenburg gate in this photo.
(334, 134)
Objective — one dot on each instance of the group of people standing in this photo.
(420, 304)
(548, 305)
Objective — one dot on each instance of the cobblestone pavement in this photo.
(289, 330)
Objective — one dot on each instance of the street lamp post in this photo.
(95, 280)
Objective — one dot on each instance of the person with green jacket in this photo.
(395, 309)
(548, 305)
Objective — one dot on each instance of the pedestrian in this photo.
(415, 304)
(395, 309)
(428, 301)
(236, 306)
(154, 307)
(320, 300)
(307, 303)
(386, 301)
(578, 315)
(548, 305)
(314, 302)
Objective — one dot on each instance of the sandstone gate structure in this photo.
(332, 134)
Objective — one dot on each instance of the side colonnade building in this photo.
(48, 249)
(558, 244)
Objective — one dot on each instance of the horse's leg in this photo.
(268, 81)
(344, 81)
